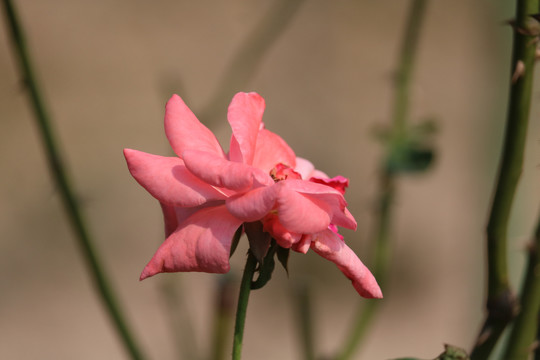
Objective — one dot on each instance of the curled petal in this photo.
(312, 206)
(185, 131)
(272, 150)
(328, 245)
(283, 237)
(344, 218)
(254, 204)
(245, 116)
(303, 245)
(201, 243)
(339, 182)
(220, 172)
(168, 180)
(299, 213)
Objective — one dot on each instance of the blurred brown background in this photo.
(108, 67)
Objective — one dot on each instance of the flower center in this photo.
(281, 172)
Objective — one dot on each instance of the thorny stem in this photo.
(522, 337)
(387, 179)
(241, 310)
(501, 304)
(66, 191)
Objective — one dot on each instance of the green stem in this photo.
(387, 180)
(522, 337)
(500, 302)
(241, 310)
(60, 176)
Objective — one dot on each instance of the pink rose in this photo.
(206, 194)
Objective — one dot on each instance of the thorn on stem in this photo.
(531, 28)
(484, 335)
(519, 71)
(533, 346)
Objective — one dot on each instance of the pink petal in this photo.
(335, 201)
(332, 248)
(345, 219)
(304, 167)
(220, 172)
(272, 150)
(168, 180)
(283, 237)
(319, 174)
(306, 207)
(245, 116)
(201, 243)
(339, 182)
(185, 132)
(302, 246)
(173, 216)
(254, 204)
(299, 213)
(169, 218)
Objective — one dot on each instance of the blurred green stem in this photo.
(222, 317)
(178, 314)
(521, 342)
(241, 310)
(302, 298)
(501, 303)
(387, 178)
(66, 191)
(406, 63)
(249, 56)
(366, 313)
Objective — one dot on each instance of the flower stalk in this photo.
(501, 303)
(241, 310)
(65, 188)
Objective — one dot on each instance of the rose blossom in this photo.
(207, 194)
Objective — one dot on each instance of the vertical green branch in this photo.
(522, 338)
(388, 175)
(66, 191)
(501, 304)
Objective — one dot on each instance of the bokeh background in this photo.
(108, 67)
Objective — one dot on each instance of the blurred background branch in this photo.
(249, 57)
(67, 193)
(397, 142)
